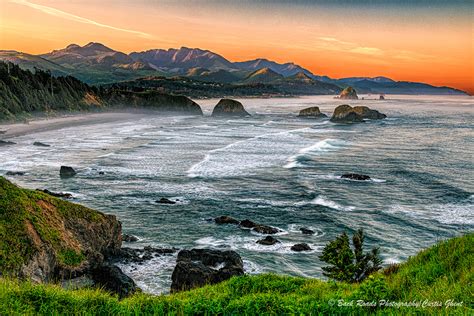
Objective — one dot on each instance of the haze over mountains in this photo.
(96, 63)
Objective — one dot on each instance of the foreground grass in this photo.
(437, 276)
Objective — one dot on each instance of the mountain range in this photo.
(96, 63)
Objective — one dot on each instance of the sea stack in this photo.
(66, 172)
(229, 107)
(349, 93)
(311, 112)
(348, 114)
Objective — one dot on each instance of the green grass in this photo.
(440, 273)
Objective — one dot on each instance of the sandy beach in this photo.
(12, 130)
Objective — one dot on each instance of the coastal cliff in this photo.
(44, 238)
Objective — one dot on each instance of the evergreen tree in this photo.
(348, 264)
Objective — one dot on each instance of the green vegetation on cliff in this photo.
(44, 237)
(437, 281)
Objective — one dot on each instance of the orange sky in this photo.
(428, 43)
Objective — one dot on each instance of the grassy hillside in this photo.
(44, 237)
(441, 273)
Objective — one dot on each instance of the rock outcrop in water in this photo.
(40, 144)
(301, 247)
(225, 220)
(165, 201)
(355, 176)
(229, 107)
(56, 194)
(66, 172)
(307, 231)
(199, 267)
(348, 93)
(311, 112)
(268, 241)
(6, 143)
(348, 114)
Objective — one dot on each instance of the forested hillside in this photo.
(25, 93)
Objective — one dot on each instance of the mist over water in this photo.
(272, 168)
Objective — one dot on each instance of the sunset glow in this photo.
(427, 42)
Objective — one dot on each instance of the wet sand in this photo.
(54, 123)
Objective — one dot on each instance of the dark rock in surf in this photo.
(66, 172)
(225, 220)
(301, 247)
(348, 114)
(6, 143)
(15, 173)
(268, 241)
(246, 223)
(199, 267)
(40, 144)
(312, 112)
(139, 255)
(229, 107)
(307, 231)
(101, 173)
(165, 201)
(111, 278)
(355, 176)
(264, 229)
(129, 238)
(56, 194)
(381, 97)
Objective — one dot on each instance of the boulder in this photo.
(225, 220)
(129, 238)
(6, 143)
(381, 97)
(368, 113)
(15, 173)
(246, 223)
(268, 241)
(348, 114)
(165, 201)
(229, 107)
(40, 144)
(348, 93)
(306, 231)
(56, 194)
(199, 267)
(311, 112)
(301, 247)
(355, 176)
(112, 279)
(66, 172)
(266, 230)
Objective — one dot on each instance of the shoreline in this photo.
(44, 124)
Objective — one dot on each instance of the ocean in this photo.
(272, 168)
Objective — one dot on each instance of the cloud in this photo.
(367, 50)
(331, 43)
(72, 17)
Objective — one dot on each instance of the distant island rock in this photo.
(229, 107)
(348, 93)
(348, 114)
(311, 112)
